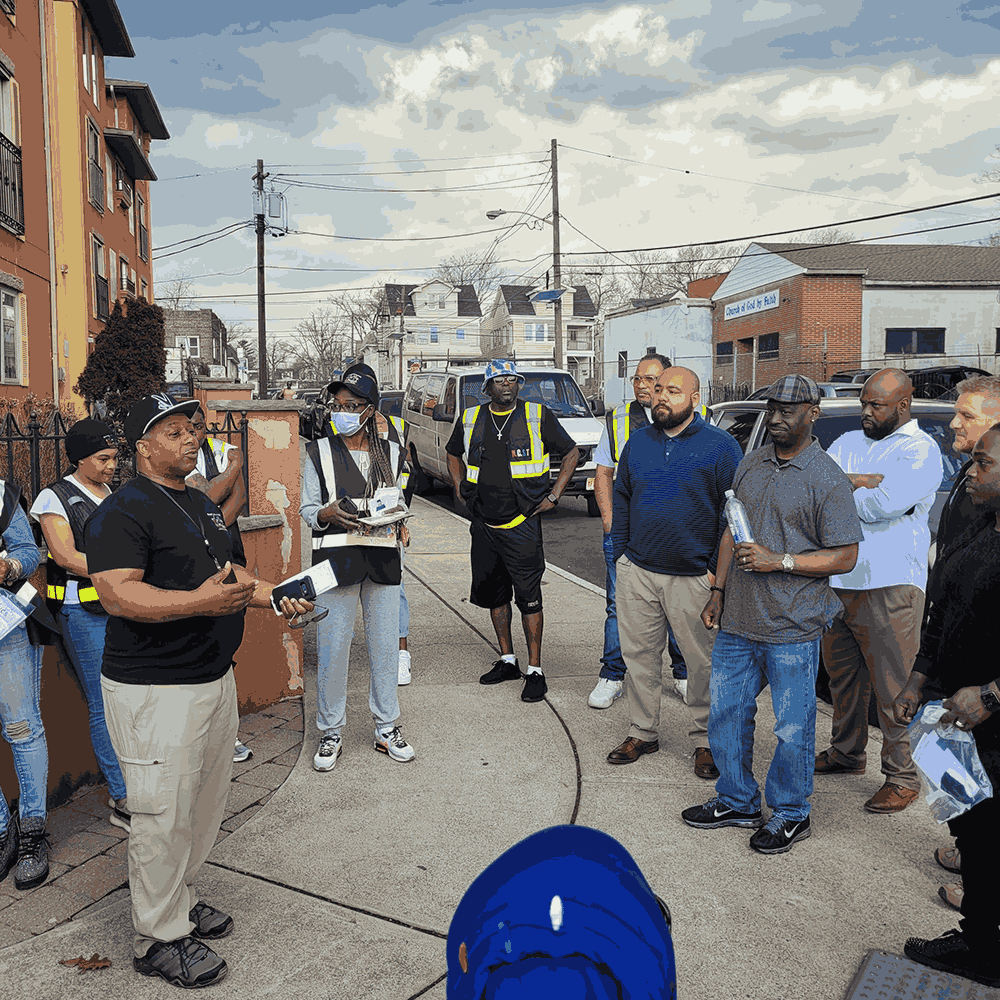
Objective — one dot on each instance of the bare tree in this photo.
(321, 343)
(824, 237)
(175, 293)
(484, 274)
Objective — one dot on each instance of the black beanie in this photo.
(86, 437)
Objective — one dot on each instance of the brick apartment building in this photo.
(200, 334)
(819, 309)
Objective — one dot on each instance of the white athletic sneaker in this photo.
(330, 748)
(681, 688)
(404, 667)
(393, 744)
(241, 753)
(605, 693)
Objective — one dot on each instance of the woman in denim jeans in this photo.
(62, 509)
(22, 839)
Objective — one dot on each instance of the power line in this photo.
(393, 239)
(422, 159)
(499, 185)
(232, 225)
(407, 173)
(829, 225)
(173, 253)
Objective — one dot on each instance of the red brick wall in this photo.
(809, 304)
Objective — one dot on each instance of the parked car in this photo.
(434, 401)
(849, 390)
(941, 380)
(854, 375)
(391, 402)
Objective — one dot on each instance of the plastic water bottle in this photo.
(736, 517)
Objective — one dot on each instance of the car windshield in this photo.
(739, 424)
(829, 428)
(391, 405)
(556, 390)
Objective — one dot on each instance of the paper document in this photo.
(12, 612)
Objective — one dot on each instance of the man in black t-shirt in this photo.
(160, 557)
(506, 483)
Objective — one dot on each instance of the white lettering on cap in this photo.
(352, 379)
(163, 401)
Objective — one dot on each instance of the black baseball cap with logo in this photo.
(358, 381)
(150, 410)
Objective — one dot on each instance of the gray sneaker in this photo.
(185, 962)
(120, 815)
(32, 853)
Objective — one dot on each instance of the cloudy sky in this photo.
(678, 122)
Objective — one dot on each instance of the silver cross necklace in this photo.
(500, 429)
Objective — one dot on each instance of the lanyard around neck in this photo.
(197, 524)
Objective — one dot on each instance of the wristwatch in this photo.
(787, 563)
(553, 499)
(990, 701)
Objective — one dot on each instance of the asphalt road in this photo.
(572, 539)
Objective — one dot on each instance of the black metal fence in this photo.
(34, 455)
(11, 186)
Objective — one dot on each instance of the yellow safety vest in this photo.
(535, 460)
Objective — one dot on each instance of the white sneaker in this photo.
(241, 753)
(393, 744)
(605, 693)
(330, 748)
(404, 667)
(681, 688)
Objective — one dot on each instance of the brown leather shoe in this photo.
(631, 750)
(890, 798)
(704, 764)
(952, 894)
(949, 859)
(825, 764)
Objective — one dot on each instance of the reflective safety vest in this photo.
(78, 506)
(340, 477)
(214, 452)
(624, 420)
(529, 460)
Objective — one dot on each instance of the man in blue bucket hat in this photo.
(564, 913)
(499, 461)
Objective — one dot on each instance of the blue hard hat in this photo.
(564, 913)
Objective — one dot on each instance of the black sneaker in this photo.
(502, 671)
(210, 923)
(32, 853)
(534, 687)
(185, 962)
(714, 814)
(779, 835)
(950, 953)
(8, 849)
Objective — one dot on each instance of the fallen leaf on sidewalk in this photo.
(87, 964)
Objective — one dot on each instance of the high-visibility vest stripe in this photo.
(537, 465)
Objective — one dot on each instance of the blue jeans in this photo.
(740, 669)
(20, 686)
(380, 610)
(612, 665)
(83, 637)
(404, 604)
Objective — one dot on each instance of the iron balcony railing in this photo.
(11, 180)
(8, 5)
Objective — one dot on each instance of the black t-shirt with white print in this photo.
(162, 532)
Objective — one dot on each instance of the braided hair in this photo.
(379, 469)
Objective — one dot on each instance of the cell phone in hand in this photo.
(301, 590)
(347, 505)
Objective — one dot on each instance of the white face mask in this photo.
(349, 424)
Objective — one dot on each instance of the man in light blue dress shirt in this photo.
(895, 469)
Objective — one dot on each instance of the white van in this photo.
(434, 402)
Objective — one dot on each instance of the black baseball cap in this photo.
(359, 382)
(150, 410)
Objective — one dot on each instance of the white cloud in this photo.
(767, 10)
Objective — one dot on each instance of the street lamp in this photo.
(495, 213)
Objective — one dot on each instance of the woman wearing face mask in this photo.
(343, 470)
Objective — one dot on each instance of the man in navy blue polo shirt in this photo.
(667, 522)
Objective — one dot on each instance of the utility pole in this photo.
(556, 267)
(261, 311)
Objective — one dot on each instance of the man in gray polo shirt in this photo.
(771, 618)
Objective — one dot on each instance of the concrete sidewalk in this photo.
(343, 884)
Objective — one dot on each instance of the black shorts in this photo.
(506, 563)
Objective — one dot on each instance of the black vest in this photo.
(352, 563)
(78, 506)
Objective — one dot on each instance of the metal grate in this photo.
(891, 977)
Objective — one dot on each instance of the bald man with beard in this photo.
(667, 522)
(895, 469)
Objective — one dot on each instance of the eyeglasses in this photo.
(645, 379)
(505, 379)
(336, 407)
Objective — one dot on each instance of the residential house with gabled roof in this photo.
(435, 323)
(822, 308)
(524, 329)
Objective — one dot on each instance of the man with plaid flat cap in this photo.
(505, 480)
(771, 617)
